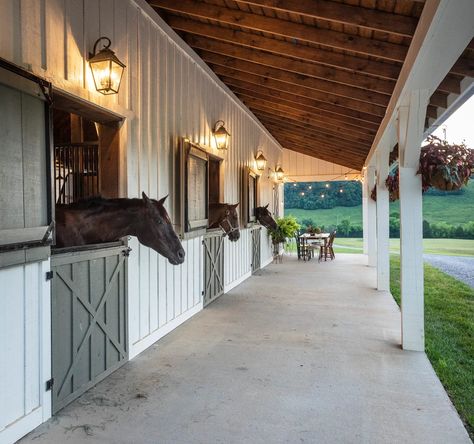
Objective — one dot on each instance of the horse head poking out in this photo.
(100, 220)
(225, 216)
(265, 217)
(158, 232)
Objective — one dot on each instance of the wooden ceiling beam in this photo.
(285, 28)
(324, 116)
(302, 100)
(296, 79)
(292, 116)
(439, 99)
(464, 67)
(299, 128)
(282, 47)
(451, 84)
(363, 133)
(341, 13)
(329, 74)
(325, 97)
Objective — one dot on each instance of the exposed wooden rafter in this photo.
(285, 28)
(321, 66)
(345, 14)
(282, 47)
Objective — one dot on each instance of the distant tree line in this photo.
(435, 230)
(323, 195)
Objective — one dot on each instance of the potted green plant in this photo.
(393, 185)
(287, 227)
(445, 166)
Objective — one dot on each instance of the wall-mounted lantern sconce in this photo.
(279, 174)
(221, 135)
(261, 161)
(107, 69)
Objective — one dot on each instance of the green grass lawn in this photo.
(449, 333)
(453, 209)
(449, 247)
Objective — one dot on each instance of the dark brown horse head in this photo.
(230, 223)
(158, 232)
(225, 217)
(265, 217)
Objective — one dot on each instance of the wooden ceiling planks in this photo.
(324, 66)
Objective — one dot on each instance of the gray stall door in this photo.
(89, 319)
(255, 249)
(213, 266)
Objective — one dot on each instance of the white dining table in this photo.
(316, 236)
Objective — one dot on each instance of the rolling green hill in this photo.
(454, 209)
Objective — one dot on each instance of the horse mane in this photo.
(99, 203)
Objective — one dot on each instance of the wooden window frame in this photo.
(247, 218)
(190, 229)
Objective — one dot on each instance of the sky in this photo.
(460, 125)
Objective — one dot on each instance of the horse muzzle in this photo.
(178, 258)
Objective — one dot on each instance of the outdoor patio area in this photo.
(301, 352)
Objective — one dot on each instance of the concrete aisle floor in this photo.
(301, 352)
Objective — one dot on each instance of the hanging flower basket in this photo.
(445, 166)
(373, 194)
(393, 185)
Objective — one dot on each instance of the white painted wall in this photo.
(167, 92)
(25, 344)
(302, 168)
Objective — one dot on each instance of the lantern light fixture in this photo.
(279, 173)
(261, 161)
(221, 135)
(107, 69)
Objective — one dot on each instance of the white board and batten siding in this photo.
(303, 168)
(167, 93)
(25, 341)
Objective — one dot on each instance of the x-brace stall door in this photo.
(89, 320)
(256, 249)
(213, 266)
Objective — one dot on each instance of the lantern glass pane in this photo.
(107, 76)
(221, 140)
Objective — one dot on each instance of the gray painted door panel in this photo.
(256, 249)
(89, 320)
(213, 266)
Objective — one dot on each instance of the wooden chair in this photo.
(304, 249)
(298, 246)
(327, 248)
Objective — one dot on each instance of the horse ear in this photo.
(235, 205)
(146, 199)
(266, 206)
(162, 200)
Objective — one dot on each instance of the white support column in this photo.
(383, 233)
(365, 203)
(411, 118)
(371, 219)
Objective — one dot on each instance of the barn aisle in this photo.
(301, 352)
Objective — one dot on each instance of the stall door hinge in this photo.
(126, 252)
(49, 275)
(49, 384)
